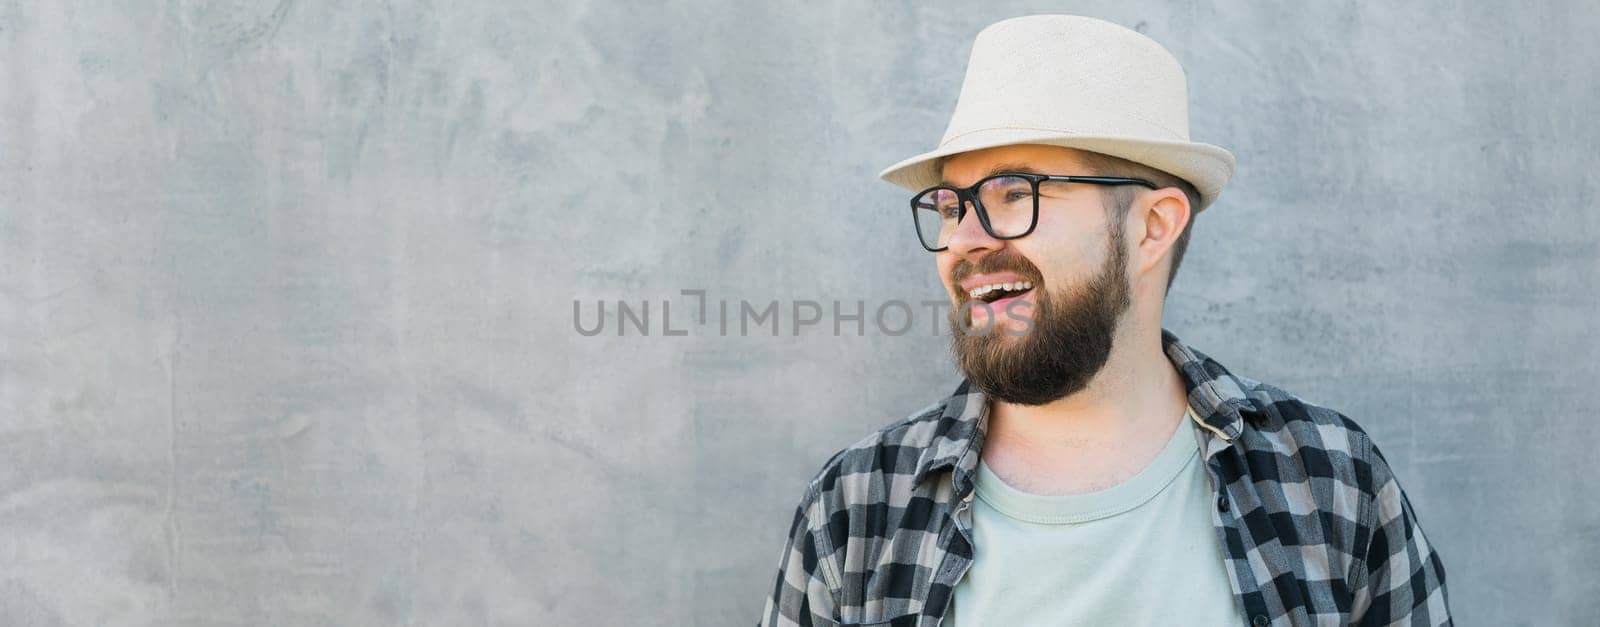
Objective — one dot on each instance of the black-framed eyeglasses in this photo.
(1007, 204)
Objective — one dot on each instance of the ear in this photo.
(1157, 221)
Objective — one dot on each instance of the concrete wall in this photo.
(287, 289)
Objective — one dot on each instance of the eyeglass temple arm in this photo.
(1100, 180)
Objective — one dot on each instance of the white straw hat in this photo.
(1079, 82)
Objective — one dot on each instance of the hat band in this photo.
(1150, 131)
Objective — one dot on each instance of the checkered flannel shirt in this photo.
(1314, 527)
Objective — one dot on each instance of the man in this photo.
(1092, 468)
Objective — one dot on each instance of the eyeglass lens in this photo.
(1008, 200)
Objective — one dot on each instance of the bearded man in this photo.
(1092, 469)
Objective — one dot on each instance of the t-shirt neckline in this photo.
(1181, 449)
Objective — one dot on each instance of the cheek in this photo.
(1063, 224)
(1062, 247)
(944, 263)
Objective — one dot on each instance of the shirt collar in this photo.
(1216, 396)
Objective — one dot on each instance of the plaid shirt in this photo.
(1314, 527)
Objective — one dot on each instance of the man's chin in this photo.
(997, 348)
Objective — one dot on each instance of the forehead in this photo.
(963, 169)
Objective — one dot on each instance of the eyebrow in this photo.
(1003, 167)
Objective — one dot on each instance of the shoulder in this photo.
(858, 503)
(1304, 454)
(1316, 440)
(875, 477)
(892, 450)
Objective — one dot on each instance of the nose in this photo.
(970, 240)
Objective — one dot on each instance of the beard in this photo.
(1069, 342)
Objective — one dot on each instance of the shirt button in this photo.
(1260, 620)
(1222, 506)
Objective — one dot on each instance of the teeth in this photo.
(1015, 286)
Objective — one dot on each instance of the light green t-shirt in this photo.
(1142, 552)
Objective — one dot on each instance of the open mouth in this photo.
(997, 291)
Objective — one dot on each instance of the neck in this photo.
(1136, 397)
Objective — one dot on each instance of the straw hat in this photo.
(1079, 82)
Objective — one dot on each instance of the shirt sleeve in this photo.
(803, 592)
(1402, 579)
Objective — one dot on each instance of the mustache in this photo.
(1005, 260)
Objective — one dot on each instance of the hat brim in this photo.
(1205, 166)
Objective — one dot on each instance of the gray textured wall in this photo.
(286, 288)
